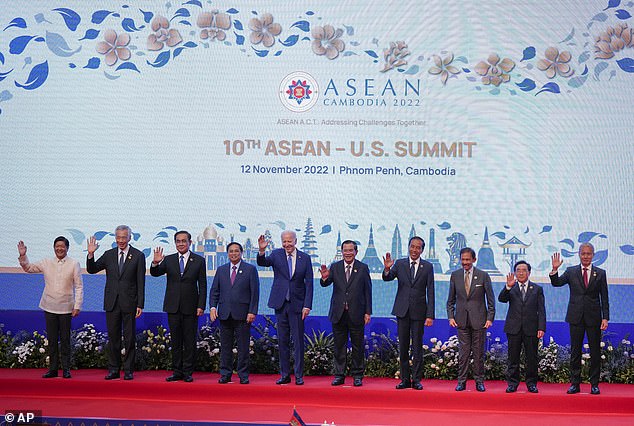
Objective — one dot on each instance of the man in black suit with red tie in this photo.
(413, 307)
(350, 310)
(185, 299)
(525, 324)
(588, 312)
(124, 297)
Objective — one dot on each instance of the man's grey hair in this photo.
(288, 231)
(124, 228)
(586, 245)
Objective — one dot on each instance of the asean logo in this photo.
(298, 91)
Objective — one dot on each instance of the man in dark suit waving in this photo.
(525, 324)
(414, 308)
(588, 312)
(124, 297)
(350, 310)
(291, 297)
(234, 298)
(185, 299)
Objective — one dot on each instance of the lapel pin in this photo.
(354, 270)
(129, 256)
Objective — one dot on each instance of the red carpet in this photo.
(149, 397)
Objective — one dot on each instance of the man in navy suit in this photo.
(124, 297)
(291, 297)
(525, 324)
(470, 308)
(588, 312)
(234, 298)
(350, 310)
(414, 308)
(185, 299)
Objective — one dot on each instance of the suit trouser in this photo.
(410, 330)
(58, 328)
(114, 320)
(241, 330)
(340, 331)
(471, 341)
(183, 329)
(290, 324)
(516, 341)
(576, 342)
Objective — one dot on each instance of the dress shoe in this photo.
(405, 384)
(299, 381)
(188, 378)
(594, 390)
(66, 373)
(533, 389)
(49, 374)
(461, 386)
(573, 389)
(480, 387)
(417, 386)
(224, 379)
(283, 380)
(128, 375)
(358, 381)
(244, 381)
(338, 381)
(511, 388)
(112, 375)
(174, 378)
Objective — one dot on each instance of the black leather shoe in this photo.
(511, 389)
(244, 381)
(338, 381)
(405, 384)
(174, 378)
(299, 381)
(461, 386)
(480, 387)
(573, 389)
(533, 389)
(417, 386)
(358, 381)
(49, 374)
(128, 375)
(594, 390)
(224, 379)
(66, 373)
(283, 380)
(112, 375)
(188, 378)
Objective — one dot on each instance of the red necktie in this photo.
(585, 277)
(233, 274)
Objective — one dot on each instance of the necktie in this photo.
(412, 271)
(467, 282)
(585, 277)
(290, 266)
(233, 274)
(121, 261)
(182, 264)
(348, 273)
(523, 289)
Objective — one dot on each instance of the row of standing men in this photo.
(234, 299)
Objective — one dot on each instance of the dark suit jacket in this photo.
(416, 297)
(478, 306)
(186, 293)
(239, 299)
(300, 284)
(528, 315)
(129, 287)
(357, 292)
(588, 304)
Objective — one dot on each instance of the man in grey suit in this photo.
(413, 307)
(525, 324)
(350, 310)
(588, 312)
(470, 308)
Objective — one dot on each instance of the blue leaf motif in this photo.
(349, 53)
(77, 235)
(627, 249)
(460, 59)
(507, 227)
(71, 18)
(181, 13)
(495, 91)
(526, 230)
(349, 30)
(526, 85)
(239, 39)
(325, 229)
(567, 253)
(4, 75)
(56, 44)
(37, 77)
(128, 25)
(93, 63)
(136, 236)
(260, 53)
(585, 237)
(164, 241)
(444, 225)
(178, 51)
(161, 234)
(237, 25)
(190, 44)
(466, 70)
(501, 235)
(372, 53)
(529, 53)
(233, 11)
(243, 228)
(100, 234)
(173, 228)
(278, 53)
(147, 251)
(1, 58)
(626, 64)
(99, 16)
(184, 22)
(291, 40)
(310, 13)
(546, 228)
(584, 57)
(613, 3)
(219, 225)
(161, 60)
(194, 2)
(549, 87)
(543, 265)
(17, 22)
(128, 66)
(91, 34)
(585, 70)
(412, 70)
(147, 16)
(568, 241)
(577, 81)
(623, 14)
(302, 25)
(279, 223)
(601, 66)
(569, 37)
(600, 257)
(18, 44)
(352, 225)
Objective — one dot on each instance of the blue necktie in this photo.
(290, 276)
(121, 262)
(412, 271)
(182, 264)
